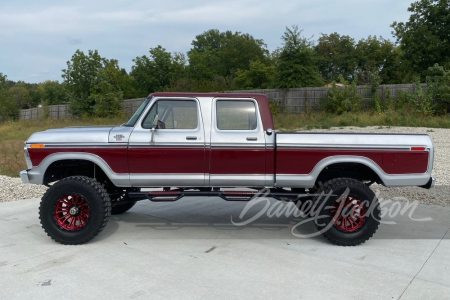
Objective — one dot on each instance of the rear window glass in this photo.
(236, 115)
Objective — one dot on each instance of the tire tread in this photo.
(90, 183)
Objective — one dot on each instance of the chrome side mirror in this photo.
(269, 131)
(154, 125)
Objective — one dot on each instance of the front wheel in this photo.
(74, 210)
(348, 212)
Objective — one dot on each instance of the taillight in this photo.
(418, 148)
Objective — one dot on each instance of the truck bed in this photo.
(398, 159)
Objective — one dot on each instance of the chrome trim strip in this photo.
(237, 180)
(270, 180)
(82, 145)
(308, 181)
(178, 180)
(351, 147)
(238, 146)
(165, 145)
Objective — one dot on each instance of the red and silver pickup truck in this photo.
(221, 145)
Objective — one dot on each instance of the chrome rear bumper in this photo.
(24, 176)
(430, 184)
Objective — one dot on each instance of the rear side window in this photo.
(236, 115)
(173, 114)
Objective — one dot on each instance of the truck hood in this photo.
(70, 135)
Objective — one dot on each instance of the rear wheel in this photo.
(74, 210)
(351, 215)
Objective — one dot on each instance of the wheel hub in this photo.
(72, 212)
(350, 215)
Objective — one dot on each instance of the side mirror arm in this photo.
(154, 125)
(153, 134)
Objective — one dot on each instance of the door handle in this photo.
(191, 137)
(252, 138)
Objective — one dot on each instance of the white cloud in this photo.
(53, 19)
(120, 16)
(124, 29)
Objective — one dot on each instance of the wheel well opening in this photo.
(74, 167)
(356, 171)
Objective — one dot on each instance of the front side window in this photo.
(173, 114)
(236, 115)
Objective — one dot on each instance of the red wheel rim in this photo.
(72, 212)
(350, 215)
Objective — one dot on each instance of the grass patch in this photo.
(288, 122)
(14, 134)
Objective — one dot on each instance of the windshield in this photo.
(136, 115)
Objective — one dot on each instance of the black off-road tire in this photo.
(324, 215)
(122, 207)
(99, 207)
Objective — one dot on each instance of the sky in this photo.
(37, 38)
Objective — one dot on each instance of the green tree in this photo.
(438, 82)
(296, 65)
(223, 53)
(377, 55)
(79, 76)
(8, 108)
(336, 55)
(37, 95)
(259, 76)
(21, 95)
(88, 76)
(155, 73)
(425, 37)
(53, 93)
(106, 92)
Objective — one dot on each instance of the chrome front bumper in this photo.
(24, 176)
(430, 184)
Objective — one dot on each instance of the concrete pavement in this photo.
(190, 250)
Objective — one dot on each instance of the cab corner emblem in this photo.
(119, 137)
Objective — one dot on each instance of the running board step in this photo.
(230, 195)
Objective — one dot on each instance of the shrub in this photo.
(342, 99)
(275, 107)
(438, 81)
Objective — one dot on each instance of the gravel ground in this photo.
(12, 188)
